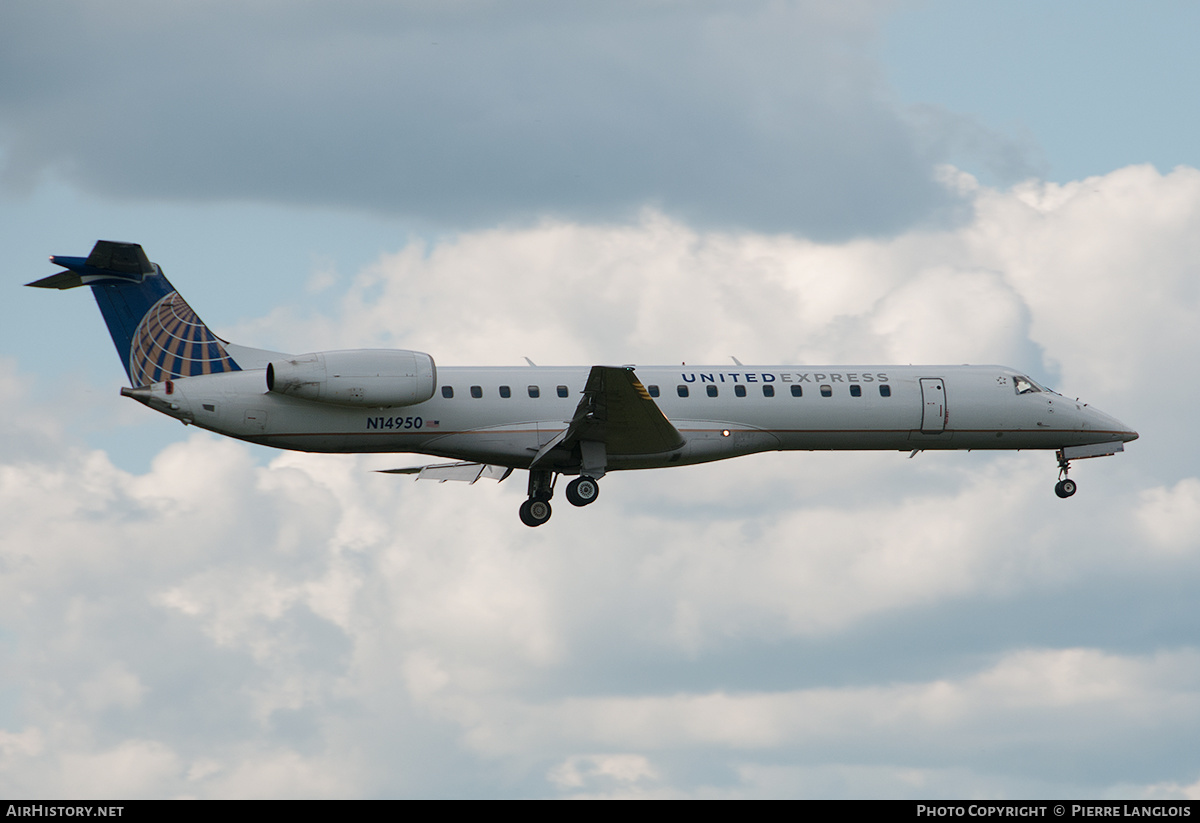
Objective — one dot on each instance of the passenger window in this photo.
(447, 392)
(885, 390)
(505, 391)
(653, 390)
(740, 391)
(477, 392)
(826, 390)
(797, 391)
(534, 391)
(712, 390)
(768, 391)
(562, 391)
(856, 391)
(682, 390)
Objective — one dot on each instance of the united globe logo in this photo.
(171, 341)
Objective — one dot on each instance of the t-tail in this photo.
(157, 335)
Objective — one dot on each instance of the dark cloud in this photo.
(769, 116)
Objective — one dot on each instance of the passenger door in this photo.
(933, 412)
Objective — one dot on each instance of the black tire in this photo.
(1065, 488)
(535, 512)
(582, 491)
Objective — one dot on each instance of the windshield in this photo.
(1026, 385)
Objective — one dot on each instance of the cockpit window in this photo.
(1024, 385)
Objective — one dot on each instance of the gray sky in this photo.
(472, 113)
(815, 183)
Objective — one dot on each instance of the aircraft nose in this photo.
(1123, 432)
(1108, 423)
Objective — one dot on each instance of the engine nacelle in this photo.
(358, 377)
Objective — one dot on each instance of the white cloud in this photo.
(577, 771)
(1171, 517)
(133, 768)
(1062, 702)
(1163, 791)
(466, 630)
(113, 686)
(218, 625)
(1092, 280)
(282, 773)
(1106, 266)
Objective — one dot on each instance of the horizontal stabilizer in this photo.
(62, 280)
(109, 261)
(465, 472)
(119, 258)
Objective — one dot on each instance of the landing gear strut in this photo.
(536, 510)
(1065, 487)
(581, 491)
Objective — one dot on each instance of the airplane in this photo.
(549, 421)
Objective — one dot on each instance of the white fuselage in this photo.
(584, 421)
(727, 411)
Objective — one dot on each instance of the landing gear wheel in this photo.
(1065, 488)
(582, 490)
(535, 512)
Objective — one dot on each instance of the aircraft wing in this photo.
(466, 472)
(616, 410)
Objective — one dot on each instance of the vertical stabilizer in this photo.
(156, 333)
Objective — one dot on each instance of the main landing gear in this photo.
(582, 491)
(536, 510)
(1065, 487)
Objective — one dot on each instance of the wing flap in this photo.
(463, 472)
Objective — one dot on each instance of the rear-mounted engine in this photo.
(359, 377)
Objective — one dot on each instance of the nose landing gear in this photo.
(1065, 487)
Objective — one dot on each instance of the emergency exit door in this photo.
(933, 412)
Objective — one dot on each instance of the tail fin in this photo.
(156, 333)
